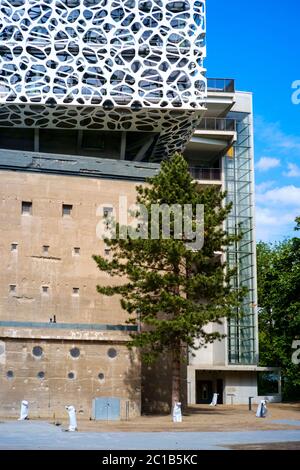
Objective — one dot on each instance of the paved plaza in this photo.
(39, 435)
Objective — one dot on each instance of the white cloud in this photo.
(286, 195)
(262, 187)
(276, 211)
(267, 163)
(278, 202)
(294, 171)
(273, 136)
(274, 224)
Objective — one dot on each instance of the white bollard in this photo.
(177, 414)
(262, 409)
(72, 417)
(24, 410)
(214, 400)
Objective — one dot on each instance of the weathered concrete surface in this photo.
(40, 435)
(76, 165)
(87, 321)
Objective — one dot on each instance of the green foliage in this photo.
(172, 291)
(279, 302)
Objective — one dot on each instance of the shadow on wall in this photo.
(157, 386)
(132, 384)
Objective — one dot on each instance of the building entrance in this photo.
(204, 392)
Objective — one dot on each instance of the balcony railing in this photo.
(221, 85)
(207, 174)
(217, 124)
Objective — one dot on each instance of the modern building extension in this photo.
(93, 95)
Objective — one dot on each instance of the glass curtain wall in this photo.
(238, 183)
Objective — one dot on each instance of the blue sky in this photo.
(258, 43)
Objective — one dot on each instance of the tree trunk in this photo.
(176, 375)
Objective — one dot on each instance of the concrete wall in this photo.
(29, 268)
(210, 354)
(45, 381)
(157, 385)
(25, 312)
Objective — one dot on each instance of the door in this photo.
(204, 392)
(106, 409)
(220, 390)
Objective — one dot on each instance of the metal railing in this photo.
(223, 85)
(217, 124)
(207, 174)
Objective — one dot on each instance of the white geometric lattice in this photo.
(107, 54)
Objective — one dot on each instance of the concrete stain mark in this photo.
(46, 258)
(24, 299)
(2, 353)
(79, 166)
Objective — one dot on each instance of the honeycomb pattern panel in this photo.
(105, 53)
(174, 126)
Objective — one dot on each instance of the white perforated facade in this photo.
(104, 64)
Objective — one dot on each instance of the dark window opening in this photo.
(75, 352)
(112, 353)
(26, 208)
(67, 209)
(37, 351)
(267, 383)
(17, 139)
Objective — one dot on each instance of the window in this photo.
(75, 352)
(9, 374)
(107, 211)
(14, 247)
(45, 290)
(71, 375)
(46, 249)
(67, 209)
(93, 140)
(107, 251)
(41, 375)
(37, 351)
(75, 290)
(267, 383)
(101, 376)
(26, 208)
(76, 251)
(112, 353)
(12, 288)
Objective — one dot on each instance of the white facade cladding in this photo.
(98, 64)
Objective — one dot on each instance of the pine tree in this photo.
(174, 292)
